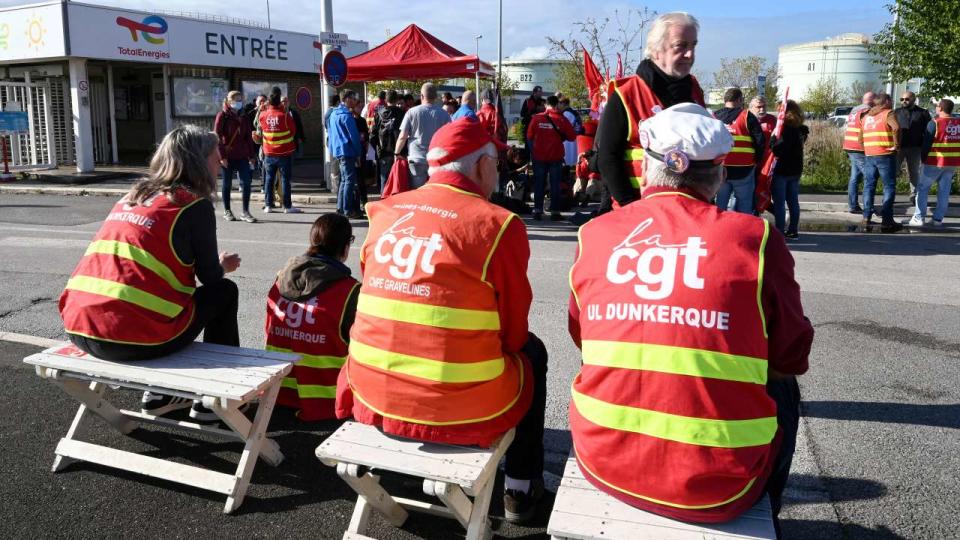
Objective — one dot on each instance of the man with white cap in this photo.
(440, 349)
(692, 332)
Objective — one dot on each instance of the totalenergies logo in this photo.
(150, 27)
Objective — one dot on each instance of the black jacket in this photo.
(611, 141)
(789, 150)
(728, 115)
(913, 122)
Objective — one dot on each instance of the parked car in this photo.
(839, 116)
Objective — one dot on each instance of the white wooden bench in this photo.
(451, 473)
(582, 511)
(223, 378)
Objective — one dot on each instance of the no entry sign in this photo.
(335, 68)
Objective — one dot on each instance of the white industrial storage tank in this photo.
(845, 58)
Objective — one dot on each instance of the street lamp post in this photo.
(477, 89)
(268, 14)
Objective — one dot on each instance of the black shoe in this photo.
(792, 235)
(856, 210)
(538, 216)
(204, 415)
(159, 404)
(891, 228)
(520, 507)
(556, 216)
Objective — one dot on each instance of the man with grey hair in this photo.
(676, 293)
(445, 288)
(416, 131)
(662, 80)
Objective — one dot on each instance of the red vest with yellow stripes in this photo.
(945, 151)
(426, 360)
(742, 154)
(877, 134)
(130, 286)
(641, 103)
(853, 134)
(670, 411)
(312, 330)
(278, 130)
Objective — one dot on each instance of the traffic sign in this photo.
(761, 84)
(304, 98)
(333, 39)
(335, 68)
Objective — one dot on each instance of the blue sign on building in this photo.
(14, 122)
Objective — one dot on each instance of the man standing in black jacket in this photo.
(663, 79)
(742, 162)
(913, 122)
(386, 131)
(527, 110)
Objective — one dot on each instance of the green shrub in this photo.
(826, 167)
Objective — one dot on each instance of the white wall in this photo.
(802, 67)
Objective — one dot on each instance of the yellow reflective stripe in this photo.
(289, 382)
(496, 242)
(854, 130)
(945, 145)
(139, 256)
(760, 267)
(672, 427)
(671, 193)
(884, 142)
(316, 391)
(427, 315)
(666, 503)
(275, 134)
(854, 139)
(675, 360)
(945, 154)
(635, 182)
(426, 368)
(312, 360)
(573, 289)
(124, 293)
(278, 143)
(359, 397)
(633, 154)
(742, 150)
(744, 138)
(455, 189)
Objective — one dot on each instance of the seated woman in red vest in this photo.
(310, 310)
(134, 295)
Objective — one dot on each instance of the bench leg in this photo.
(371, 494)
(479, 527)
(92, 402)
(252, 448)
(454, 499)
(232, 417)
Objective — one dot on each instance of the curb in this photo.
(29, 340)
(841, 208)
(318, 199)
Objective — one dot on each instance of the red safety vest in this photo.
(670, 411)
(130, 286)
(426, 360)
(877, 135)
(742, 154)
(853, 135)
(641, 103)
(945, 151)
(312, 330)
(279, 132)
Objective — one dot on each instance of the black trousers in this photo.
(216, 307)
(524, 458)
(786, 393)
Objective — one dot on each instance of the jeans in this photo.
(285, 165)
(386, 163)
(418, 173)
(243, 170)
(786, 393)
(742, 189)
(541, 169)
(943, 177)
(884, 167)
(856, 177)
(215, 315)
(786, 192)
(524, 458)
(347, 200)
(913, 159)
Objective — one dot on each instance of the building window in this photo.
(812, 66)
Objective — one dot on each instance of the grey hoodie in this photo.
(305, 277)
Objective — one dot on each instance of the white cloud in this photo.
(537, 52)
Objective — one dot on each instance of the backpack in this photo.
(389, 130)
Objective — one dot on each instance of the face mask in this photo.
(236, 105)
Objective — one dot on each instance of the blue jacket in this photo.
(464, 112)
(343, 138)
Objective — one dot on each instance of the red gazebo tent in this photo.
(414, 54)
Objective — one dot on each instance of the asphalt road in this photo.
(878, 455)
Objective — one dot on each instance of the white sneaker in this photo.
(292, 210)
(915, 221)
(267, 210)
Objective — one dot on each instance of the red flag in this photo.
(619, 66)
(762, 193)
(593, 79)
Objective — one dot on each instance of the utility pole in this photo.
(268, 15)
(896, 25)
(477, 88)
(326, 25)
(499, 50)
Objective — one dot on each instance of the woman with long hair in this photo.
(786, 175)
(237, 153)
(134, 295)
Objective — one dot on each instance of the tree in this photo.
(823, 97)
(858, 89)
(922, 43)
(568, 78)
(404, 87)
(743, 73)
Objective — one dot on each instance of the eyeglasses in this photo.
(904, 100)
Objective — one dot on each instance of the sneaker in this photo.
(355, 215)
(891, 228)
(556, 216)
(159, 404)
(292, 210)
(247, 217)
(267, 209)
(792, 236)
(936, 223)
(856, 210)
(228, 215)
(520, 507)
(915, 221)
(204, 415)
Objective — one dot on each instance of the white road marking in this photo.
(37, 242)
(29, 340)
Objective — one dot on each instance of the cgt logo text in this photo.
(629, 264)
(150, 27)
(405, 251)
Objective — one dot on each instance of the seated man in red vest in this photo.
(692, 332)
(440, 349)
(310, 310)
